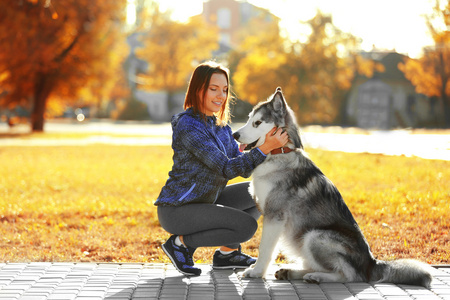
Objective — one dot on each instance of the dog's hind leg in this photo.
(270, 235)
(327, 253)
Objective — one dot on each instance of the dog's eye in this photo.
(257, 123)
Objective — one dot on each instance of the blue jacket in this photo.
(205, 157)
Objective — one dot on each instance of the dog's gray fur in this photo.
(303, 206)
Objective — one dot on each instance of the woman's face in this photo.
(216, 94)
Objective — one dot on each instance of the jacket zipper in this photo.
(218, 141)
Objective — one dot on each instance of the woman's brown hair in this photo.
(199, 82)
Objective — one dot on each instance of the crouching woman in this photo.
(196, 206)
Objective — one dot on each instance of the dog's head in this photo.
(268, 114)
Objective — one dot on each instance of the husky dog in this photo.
(304, 207)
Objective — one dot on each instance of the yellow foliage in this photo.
(172, 50)
(256, 76)
(430, 74)
(367, 67)
(422, 76)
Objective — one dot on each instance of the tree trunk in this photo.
(37, 115)
(43, 87)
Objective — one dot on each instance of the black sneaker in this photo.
(235, 259)
(181, 257)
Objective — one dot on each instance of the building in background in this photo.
(389, 100)
(232, 18)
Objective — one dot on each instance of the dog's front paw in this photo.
(282, 274)
(252, 273)
(312, 278)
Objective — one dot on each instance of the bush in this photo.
(134, 110)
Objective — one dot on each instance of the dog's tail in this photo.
(402, 271)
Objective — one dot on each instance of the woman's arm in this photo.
(204, 147)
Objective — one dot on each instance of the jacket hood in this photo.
(176, 118)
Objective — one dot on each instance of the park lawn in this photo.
(95, 203)
(72, 135)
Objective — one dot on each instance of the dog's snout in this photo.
(236, 135)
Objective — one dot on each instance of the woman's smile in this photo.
(216, 94)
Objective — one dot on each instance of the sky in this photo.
(386, 24)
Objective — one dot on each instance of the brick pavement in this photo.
(92, 281)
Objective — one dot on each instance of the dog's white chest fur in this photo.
(263, 183)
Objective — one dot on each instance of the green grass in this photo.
(95, 203)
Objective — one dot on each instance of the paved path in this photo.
(92, 281)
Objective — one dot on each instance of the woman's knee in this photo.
(248, 228)
(166, 221)
(237, 196)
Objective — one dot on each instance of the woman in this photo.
(195, 205)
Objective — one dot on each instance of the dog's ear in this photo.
(278, 101)
(279, 104)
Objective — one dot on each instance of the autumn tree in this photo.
(53, 48)
(430, 74)
(322, 74)
(173, 49)
(314, 75)
(259, 61)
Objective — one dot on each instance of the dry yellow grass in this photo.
(95, 203)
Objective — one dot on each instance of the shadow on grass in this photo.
(11, 135)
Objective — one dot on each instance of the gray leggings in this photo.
(231, 220)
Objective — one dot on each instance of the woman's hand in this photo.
(275, 138)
